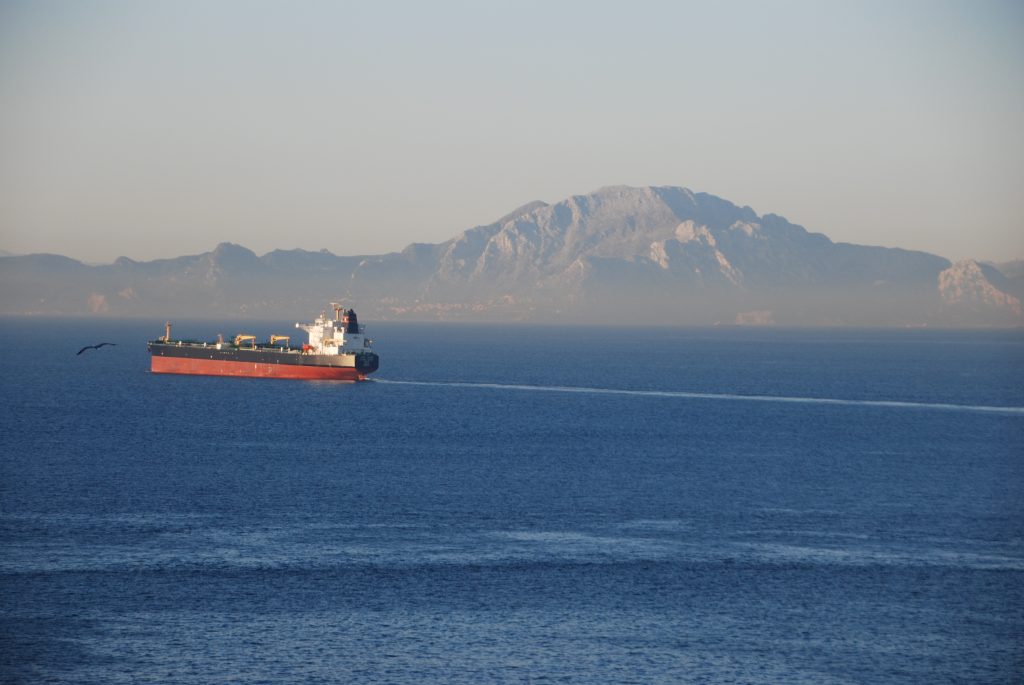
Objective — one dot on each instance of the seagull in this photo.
(94, 347)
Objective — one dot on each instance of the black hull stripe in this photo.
(367, 361)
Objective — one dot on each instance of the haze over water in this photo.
(518, 504)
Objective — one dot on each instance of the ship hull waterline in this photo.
(246, 369)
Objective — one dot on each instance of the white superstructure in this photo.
(340, 335)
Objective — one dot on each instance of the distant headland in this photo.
(657, 255)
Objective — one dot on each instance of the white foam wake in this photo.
(892, 404)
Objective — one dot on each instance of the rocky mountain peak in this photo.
(970, 287)
(226, 253)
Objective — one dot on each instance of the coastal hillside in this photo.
(662, 255)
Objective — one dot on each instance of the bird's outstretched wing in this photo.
(94, 347)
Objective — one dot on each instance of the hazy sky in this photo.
(153, 129)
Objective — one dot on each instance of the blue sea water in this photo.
(517, 504)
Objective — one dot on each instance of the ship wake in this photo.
(671, 394)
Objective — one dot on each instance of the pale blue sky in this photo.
(153, 129)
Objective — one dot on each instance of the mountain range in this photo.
(660, 255)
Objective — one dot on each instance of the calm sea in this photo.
(517, 504)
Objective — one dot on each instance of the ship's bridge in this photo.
(340, 335)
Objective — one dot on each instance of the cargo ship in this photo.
(337, 349)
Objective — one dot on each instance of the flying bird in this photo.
(94, 347)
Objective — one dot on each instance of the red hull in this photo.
(213, 367)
